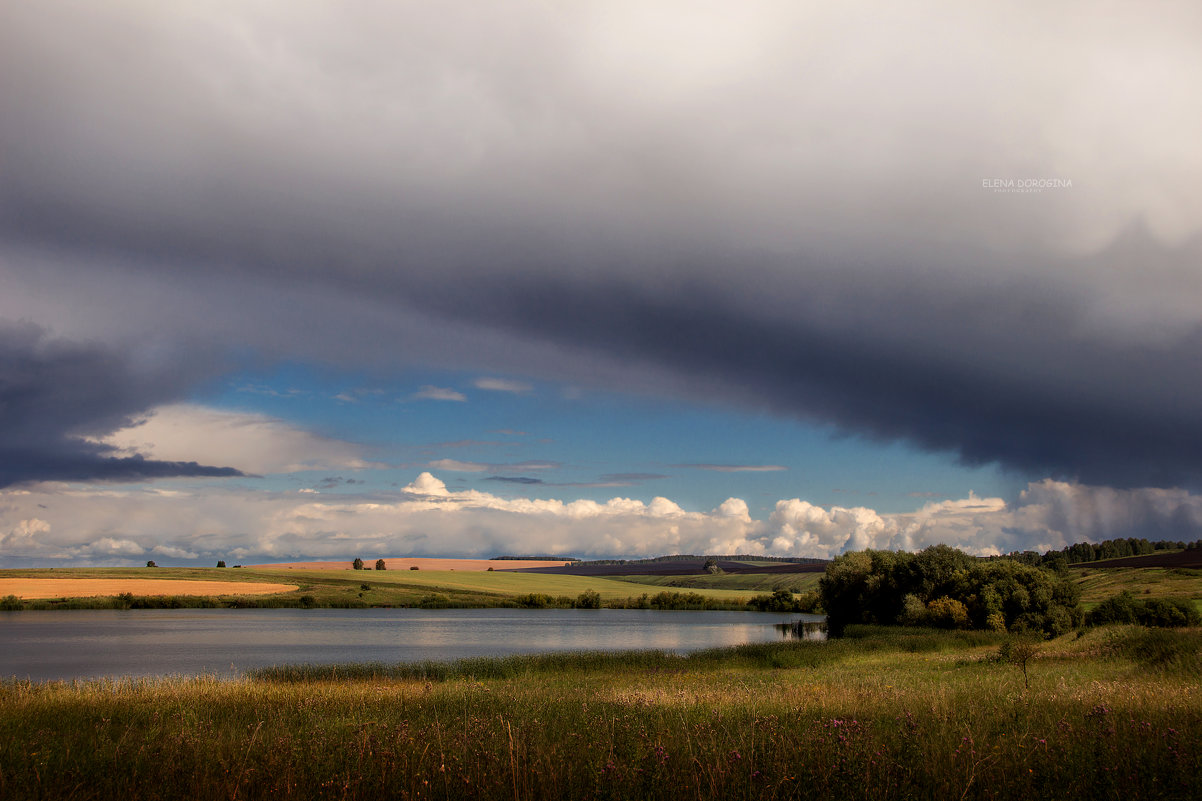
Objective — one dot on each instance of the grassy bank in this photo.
(897, 714)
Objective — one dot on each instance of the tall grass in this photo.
(875, 715)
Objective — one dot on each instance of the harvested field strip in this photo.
(95, 587)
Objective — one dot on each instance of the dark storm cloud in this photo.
(1016, 379)
(54, 394)
(701, 203)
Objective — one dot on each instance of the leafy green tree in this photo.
(151, 563)
(947, 613)
(357, 564)
(380, 565)
(221, 563)
(843, 587)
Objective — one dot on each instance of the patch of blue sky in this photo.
(551, 441)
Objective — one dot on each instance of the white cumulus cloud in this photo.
(57, 524)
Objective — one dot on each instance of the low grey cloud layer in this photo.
(776, 206)
(55, 396)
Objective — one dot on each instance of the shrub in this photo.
(11, 603)
(1169, 613)
(365, 587)
(414, 567)
(1156, 612)
(308, 601)
(151, 563)
(779, 601)
(534, 600)
(589, 599)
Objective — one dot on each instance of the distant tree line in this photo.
(944, 587)
(535, 558)
(1106, 549)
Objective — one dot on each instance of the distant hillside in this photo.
(684, 565)
(1189, 559)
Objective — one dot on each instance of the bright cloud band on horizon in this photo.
(61, 525)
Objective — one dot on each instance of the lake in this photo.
(69, 644)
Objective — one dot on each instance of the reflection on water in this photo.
(226, 642)
(803, 629)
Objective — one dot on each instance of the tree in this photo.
(151, 563)
(357, 564)
(1019, 652)
(947, 613)
(221, 563)
(380, 565)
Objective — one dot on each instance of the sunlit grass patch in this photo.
(883, 714)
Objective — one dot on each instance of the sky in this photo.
(286, 280)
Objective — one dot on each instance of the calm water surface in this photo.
(52, 645)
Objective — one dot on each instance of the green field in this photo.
(882, 714)
(364, 588)
(750, 583)
(506, 582)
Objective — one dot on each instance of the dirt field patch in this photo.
(422, 563)
(89, 587)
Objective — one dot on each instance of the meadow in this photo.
(881, 714)
(1098, 584)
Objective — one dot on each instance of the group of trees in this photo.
(944, 587)
(358, 564)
